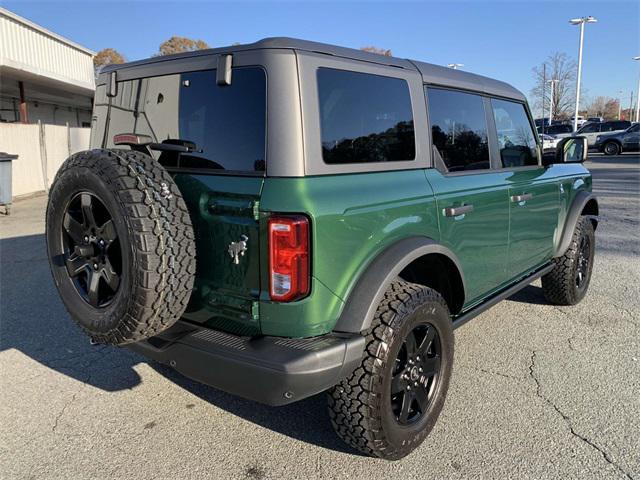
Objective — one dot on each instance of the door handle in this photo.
(521, 198)
(455, 211)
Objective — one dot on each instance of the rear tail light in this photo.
(288, 257)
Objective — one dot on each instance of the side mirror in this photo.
(572, 150)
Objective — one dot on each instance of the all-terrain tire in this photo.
(567, 284)
(360, 407)
(153, 244)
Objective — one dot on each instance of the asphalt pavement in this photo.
(537, 391)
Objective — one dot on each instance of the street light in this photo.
(638, 97)
(455, 66)
(581, 22)
(620, 104)
(553, 82)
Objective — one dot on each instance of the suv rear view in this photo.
(287, 218)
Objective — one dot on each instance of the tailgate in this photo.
(223, 211)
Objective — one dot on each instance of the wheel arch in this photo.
(417, 259)
(584, 204)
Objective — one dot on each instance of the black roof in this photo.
(431, 73)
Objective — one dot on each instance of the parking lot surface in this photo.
(538, 391)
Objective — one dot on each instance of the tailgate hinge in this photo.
(256, 210)
(255, 310)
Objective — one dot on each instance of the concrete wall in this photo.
(42, 149)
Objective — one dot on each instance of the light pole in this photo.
(553, 82)
(619, 104)
(638, 97)
(455, 66)
(581, 22)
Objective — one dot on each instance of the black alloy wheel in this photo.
(92, 252)
(584, 262)
(415, 374)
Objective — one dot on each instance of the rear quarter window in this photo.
(364, 118)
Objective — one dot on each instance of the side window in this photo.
(459, 129)
(364, 118)
(516, 141)
(591, 128)
(634, 129)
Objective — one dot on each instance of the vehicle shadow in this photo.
(34, 322)
(531, 294)
(306, 420)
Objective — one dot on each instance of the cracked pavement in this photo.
(537, 391)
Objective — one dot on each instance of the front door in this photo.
(534, 192)
(472, 199)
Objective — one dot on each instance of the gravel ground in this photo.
(537, 392)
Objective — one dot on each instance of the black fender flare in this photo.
(362, 302)
(573, 215)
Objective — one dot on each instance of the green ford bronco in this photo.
(286, 218)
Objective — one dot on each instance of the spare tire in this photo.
(120, 245)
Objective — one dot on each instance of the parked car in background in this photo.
(615, 143)
(558, 129)
(549, 143)
(595, 119)
(542, 121)
(592, 130)
(581, 120)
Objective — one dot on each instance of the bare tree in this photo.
(562, 69)
(379, 51)
(107, 56)
(605, 107)
(180, 44)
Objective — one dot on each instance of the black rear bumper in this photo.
(271, 370)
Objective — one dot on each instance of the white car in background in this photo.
(581, 120)
(549, 143)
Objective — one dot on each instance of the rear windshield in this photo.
(226, 123)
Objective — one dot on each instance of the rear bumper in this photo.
(270, 370)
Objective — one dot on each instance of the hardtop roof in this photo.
(433, 74)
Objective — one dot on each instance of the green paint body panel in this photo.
(353, 219)
(356, 217)
(222, 210)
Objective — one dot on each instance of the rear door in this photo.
(221, 179)
(472, 198)
(534, 191)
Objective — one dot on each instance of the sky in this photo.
(502, 39)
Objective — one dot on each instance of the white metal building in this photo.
(43, 76)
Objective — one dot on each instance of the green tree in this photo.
(180, 44)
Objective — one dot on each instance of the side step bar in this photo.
(487, 304)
